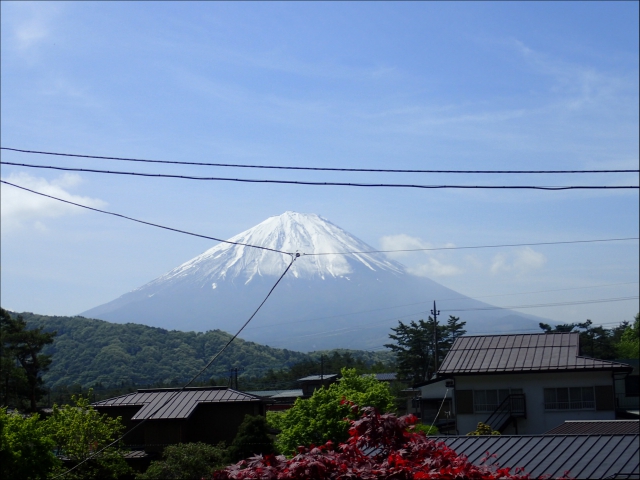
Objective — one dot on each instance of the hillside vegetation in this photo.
(89, 352)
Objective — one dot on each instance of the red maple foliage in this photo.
(379, 447)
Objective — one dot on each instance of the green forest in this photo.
(103, 355)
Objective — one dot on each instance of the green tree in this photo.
(78, 432)
(186, 461)
(595, 341)
(629, 344)
(322, 417)
(252, 439)
(26, 452)
(23, 360)
(417, 343)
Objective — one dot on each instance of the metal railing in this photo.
(514, 406)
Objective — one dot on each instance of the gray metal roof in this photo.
(583, 456)
(277, 393)
(383, 377)
(174, 403)
(538, 352)
(597, 427)
(315, 378)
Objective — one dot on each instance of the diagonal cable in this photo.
(145, 222)
(184, 387)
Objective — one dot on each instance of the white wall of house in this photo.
(538, 419)
(435, 390)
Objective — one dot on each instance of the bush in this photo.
(484, 429)
(378, 447)
(186, 461)
(426, 429)
(26, 452)
(252, 438)
(323, 416)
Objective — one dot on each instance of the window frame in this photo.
(562, 399)
(487, 406)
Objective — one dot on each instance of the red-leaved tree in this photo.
(379, 447)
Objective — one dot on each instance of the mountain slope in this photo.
(325, 301)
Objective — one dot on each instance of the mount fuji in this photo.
(344, 300)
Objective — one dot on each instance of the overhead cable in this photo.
(328, 184)
(184, 387)
(473, 247)
(144, 222)
(360, 312)
(312, 254)
(325, 169)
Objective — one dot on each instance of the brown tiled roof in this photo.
(597, 427)
(174, 403)
(538, 352)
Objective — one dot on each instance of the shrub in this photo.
(378, 447)
(323, 416)
(484, 429)
(252, 438)
(186, 461)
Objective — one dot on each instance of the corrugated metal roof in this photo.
(597, 427)
(583, 456)
(383, 377)
(174, 403)
(277, 393)
(314, 378)
(537, 352)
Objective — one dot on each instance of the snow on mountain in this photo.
(306, 233)
(325, 301)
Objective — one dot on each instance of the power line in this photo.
(328, 184)
(474, 247)
(312, 254)
(144, 222)
(539, 305)
(171, 397)
(315, 319)
(326, 169)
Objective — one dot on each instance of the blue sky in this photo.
(434, 85)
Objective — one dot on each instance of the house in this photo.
(175, 415)
(552, 456)
(432, 403)
(280, 399)
(311, 383)
(383, 377)
(528, 383)
(628, 391)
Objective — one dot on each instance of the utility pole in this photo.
(435, 312)
(321, 369)
(236, 378)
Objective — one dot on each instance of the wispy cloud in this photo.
(417, 264)
(31, 23)
(20, 208)
(521, 261)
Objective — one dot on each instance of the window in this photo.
(572, 398)
(489, 400)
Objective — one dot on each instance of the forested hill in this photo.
(92, 352)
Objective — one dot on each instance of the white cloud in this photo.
(521, 261)
(417, 264)
(19, 207)
(30, 22)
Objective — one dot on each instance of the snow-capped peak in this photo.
(304, 233)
